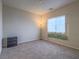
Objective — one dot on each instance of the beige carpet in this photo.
(39, 50)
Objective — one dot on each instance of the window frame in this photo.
(66, 23)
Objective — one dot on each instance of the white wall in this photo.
(72, 17)
(20, 23)
(0, 26)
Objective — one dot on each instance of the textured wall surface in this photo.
(20, 23)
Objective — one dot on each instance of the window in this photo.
(56, 27)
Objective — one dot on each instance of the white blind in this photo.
(56, 24)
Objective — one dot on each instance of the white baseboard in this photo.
(26, 41)
(63, 44)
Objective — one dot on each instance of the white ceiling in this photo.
(37, 6)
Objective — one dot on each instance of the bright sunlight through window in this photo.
(56, 27)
